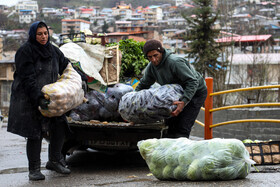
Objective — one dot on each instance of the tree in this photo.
(206, 52)
(202, 35)
(10, 44)
(105, 27)
(3, 20)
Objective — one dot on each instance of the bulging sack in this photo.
(184, 159)
(150, 105)
(65, 94)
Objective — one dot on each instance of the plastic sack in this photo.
(150, 105)
(89, 59)
(184, 159)
(101, 106)
(65, 94)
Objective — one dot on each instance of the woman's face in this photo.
(42, 35)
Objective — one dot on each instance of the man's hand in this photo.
(180, 107)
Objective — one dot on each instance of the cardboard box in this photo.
(110, 71)
(264, 153)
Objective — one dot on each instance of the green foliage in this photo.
(11, 44)
(202, 34)
(133, 59)
(54, 23)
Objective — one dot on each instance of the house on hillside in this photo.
(135, 35)
(253, 63)
(7, 69)
(250, 43)
(27, 5)
(123, 11)
(48, 12)
(74, 25)
(27, 16)
(117, 36)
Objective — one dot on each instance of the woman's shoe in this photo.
(35, 175)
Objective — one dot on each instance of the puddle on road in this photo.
(123, 182)
(14, 170)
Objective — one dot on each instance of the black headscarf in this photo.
(43, 50)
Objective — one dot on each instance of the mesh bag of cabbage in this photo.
(150, 105)
(65, 94)
(184, 159)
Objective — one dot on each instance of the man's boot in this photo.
(59, 167)
(35, 173)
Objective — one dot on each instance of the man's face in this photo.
(42, 35)
(154, 57)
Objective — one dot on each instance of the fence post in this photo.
(208, 132)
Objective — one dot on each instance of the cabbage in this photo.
(248, 141)
(147, 146)
(156, 171)
(183, 159)
(236, 148)
(224, 156)
(165, 143)
(216, 144)
(186, 157)
(171, 157)
(180, 172)
(194, 171)
(158, 158)
(168, 172)
(207, 165)
(244, 171)
(199, 147)
(226, 173)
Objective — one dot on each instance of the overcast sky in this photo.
(8, 2)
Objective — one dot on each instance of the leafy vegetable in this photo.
(183, 159)
(226, 173)
(180, 172)
(168, 172)
(133, 59)
(158, 158)
(193, 171)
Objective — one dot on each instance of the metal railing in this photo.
(208, 123)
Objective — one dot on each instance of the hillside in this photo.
(104, 3)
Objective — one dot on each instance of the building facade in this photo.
(27, 5)
(74, 25)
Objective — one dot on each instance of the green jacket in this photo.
(173, 70)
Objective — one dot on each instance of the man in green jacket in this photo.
(167, 68)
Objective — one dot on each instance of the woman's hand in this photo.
(180, 107)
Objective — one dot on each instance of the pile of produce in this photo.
(101, 106)
(184, 159)
(65, 94)
(150, 105)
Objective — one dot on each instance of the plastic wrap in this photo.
(184, 159)
(65, 94)
(101, 106)
(150, 105)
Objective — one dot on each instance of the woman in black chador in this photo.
(38, 63)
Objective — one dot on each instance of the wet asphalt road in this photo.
(94, 168)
